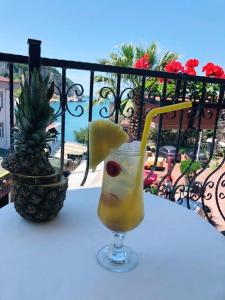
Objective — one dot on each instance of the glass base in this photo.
(117, 261)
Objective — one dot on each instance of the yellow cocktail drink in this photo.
(121, 205)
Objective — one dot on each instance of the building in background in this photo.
(5, 112)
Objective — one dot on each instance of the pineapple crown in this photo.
(33, 114)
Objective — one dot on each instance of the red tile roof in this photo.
(4, 79)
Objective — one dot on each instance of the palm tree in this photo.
(126, 56)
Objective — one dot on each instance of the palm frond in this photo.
(139, 52)
(103, 61)
(153, 57)
(165, 58)
(105, 79)
(126, 56)
(127, 52)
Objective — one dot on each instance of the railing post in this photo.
(11, 104)
(34, 55)
(63, 118)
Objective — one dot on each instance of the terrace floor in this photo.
(216, 216)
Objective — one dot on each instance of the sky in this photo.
(84, 30)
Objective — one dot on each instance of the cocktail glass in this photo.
(121, 203)
(121, 207)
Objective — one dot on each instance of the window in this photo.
(1, 99)
(1, 130)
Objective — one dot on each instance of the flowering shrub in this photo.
(190, 66)
(143, 62)
(192, 63)
(174, 66)
(190, 71)
(213, 70)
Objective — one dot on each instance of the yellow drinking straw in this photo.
(152, 113)
(158, 111)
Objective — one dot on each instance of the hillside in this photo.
(19, 69)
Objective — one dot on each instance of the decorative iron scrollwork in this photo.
(220, 194)
(207, 114)
(59, 111)
(79, 90)
(104, 93)
(130, 96)
(205, 192)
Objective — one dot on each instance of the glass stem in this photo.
(118, 254)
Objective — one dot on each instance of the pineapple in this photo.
(33, 115)
(38, 190)
(104, 136)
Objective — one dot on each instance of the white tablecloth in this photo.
(181, 256)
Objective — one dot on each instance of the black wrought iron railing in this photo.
(196, 135)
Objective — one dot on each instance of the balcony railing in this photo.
(204, 186)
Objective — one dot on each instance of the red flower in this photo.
(190, 71)
(219, 72)
(192, 63)
(211, 69)
(146, 56)
(143, 62)
(174, 66)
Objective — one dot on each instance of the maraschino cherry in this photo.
(113, 168)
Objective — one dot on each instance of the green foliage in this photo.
(20, 69)
(167, 137)
(183, 150)
(209, 133)
(153, 135)
(17, 92)
(153, 190)
(81, 136)
(126, 56)
(187, 138)
(189, 168)
(214, 164)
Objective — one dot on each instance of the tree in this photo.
(17, 92)
(130, 55)
(81, 136)
(20, 69)
(190, 168)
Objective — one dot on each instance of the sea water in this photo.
(77, 122)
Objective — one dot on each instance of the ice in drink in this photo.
(121, 205)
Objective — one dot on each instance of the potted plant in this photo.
(38, 190)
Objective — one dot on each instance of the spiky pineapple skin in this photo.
(32, 165)
(39, 203)
(38, 190)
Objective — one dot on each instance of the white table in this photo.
(181, 256)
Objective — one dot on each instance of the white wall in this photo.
(5, 118)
